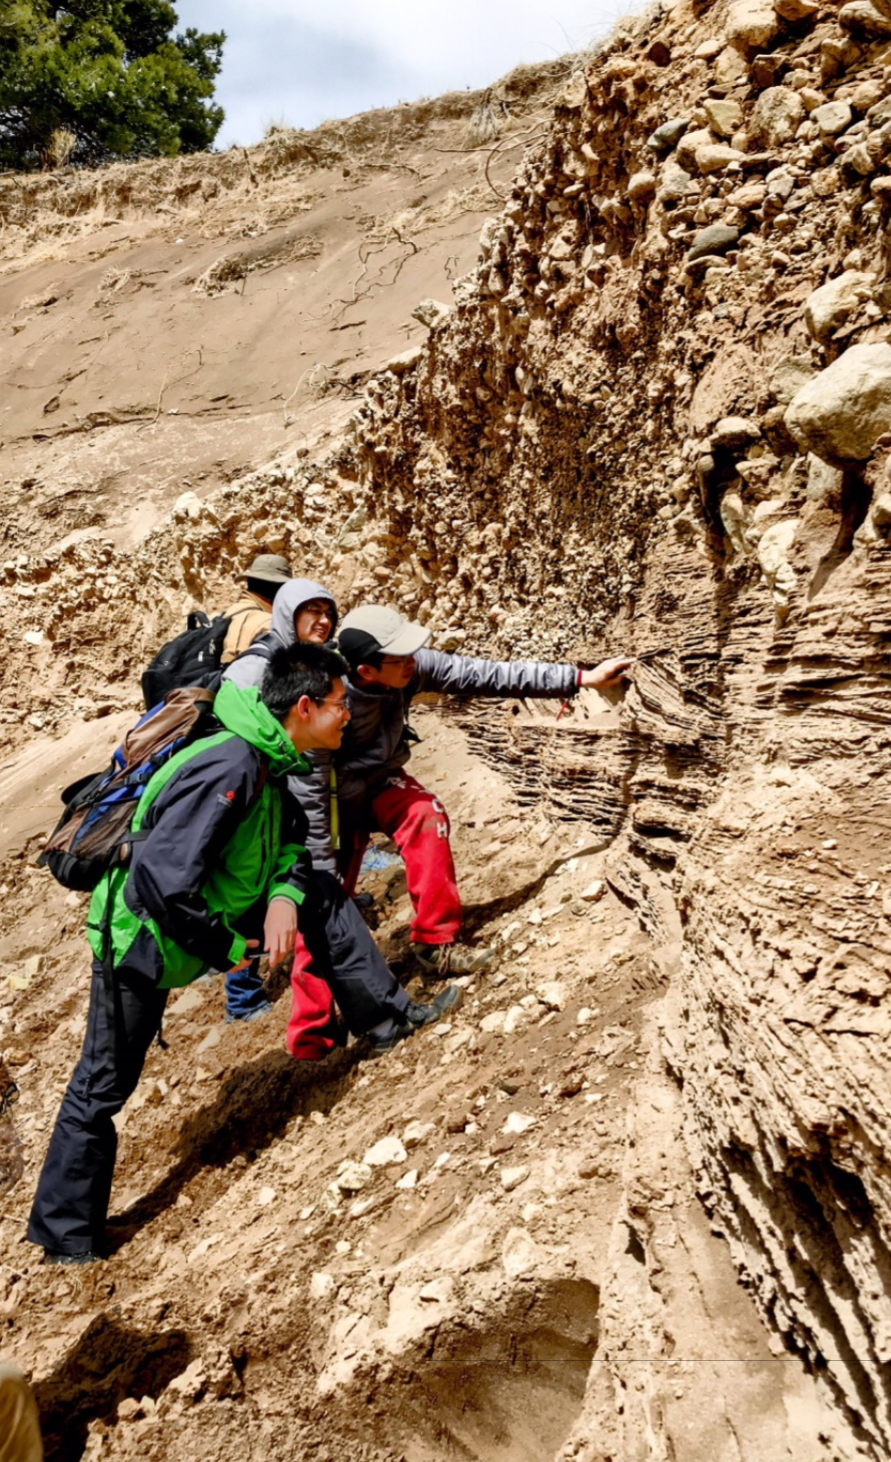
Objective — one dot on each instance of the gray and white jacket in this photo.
(313, 790)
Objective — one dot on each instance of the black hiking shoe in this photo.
(87, 1256)
(416, 1017)
(439, 960)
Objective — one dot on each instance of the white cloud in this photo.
(299, 62)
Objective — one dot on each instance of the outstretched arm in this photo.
(535, 679)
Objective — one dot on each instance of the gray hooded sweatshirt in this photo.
(313, 790)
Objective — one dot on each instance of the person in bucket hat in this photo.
(251, 615)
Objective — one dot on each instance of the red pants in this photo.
(311, 1026)
(419, 826)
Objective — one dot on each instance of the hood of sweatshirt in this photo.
(289, 599)
(243, 712)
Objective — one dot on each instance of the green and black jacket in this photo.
(219, 841)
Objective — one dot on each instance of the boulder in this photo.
(751, 24)
(831, 304)
(776, 116)
(832, 118)
(842, 412)
(716, 239)
(864, 20)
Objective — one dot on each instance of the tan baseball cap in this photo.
(374, 630)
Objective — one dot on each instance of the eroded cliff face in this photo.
(654, 420)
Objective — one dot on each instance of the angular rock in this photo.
(751, 24)
(823, 481)
(353, 1177)
(732, 432)
(520, 1255)
(716, 239)
(674, 185)
(431, 313)
(405, 361)
(690, 143)
(386, 1152)
(831, 304)
(552, 994)
(788, 377)
(748, 197)
(842, 412)
(776, 116)
(863, 19)
(766, 70)
(668, 135)
(832, 118)
(881, 511)
(730, 67)
(796, 10)
(725, 117)
(417, 1132)
(773, 551)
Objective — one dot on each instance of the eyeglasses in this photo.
(342, 707)
(318, 607)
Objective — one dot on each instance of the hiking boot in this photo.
(85, 1257)
(439, 960)
(254, 1014)
(416, 1017)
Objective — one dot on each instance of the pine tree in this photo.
(98, 79)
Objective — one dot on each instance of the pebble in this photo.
(716, 239)
(353, 1177)
(385, 1153)
(416, 1133)
(518, 1123)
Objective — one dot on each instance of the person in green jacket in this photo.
(218, 859)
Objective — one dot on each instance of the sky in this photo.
(296, 63)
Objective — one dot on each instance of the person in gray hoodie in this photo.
(334, 943)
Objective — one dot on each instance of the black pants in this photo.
(345, 954)
(71, 1204)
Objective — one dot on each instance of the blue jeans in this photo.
(245, 992)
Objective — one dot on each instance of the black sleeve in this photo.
(188, 824)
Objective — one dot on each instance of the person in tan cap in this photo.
(251, 616)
